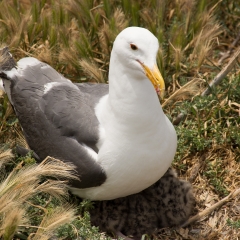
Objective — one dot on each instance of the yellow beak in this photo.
(156, 78)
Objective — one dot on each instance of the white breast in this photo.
(133, 155)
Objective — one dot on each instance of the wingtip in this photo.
(7, 61)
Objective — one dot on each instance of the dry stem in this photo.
(207, 211)
(230, 50)
(222, 74)
(217, 80)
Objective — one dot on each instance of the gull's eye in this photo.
(133, 46)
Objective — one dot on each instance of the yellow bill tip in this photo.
(156, 78)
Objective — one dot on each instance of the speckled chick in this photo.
(167, 203)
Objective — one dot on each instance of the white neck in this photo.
(133, 95)
(135, 136)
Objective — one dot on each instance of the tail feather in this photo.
(7, 62)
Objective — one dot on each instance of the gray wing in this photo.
(60, 120)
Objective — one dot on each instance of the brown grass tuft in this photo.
(92, 70)
(53, 220)
(10, 222)
(190, 89)
(25, 182)
(5, 157)
(203, 43)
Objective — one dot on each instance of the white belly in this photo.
(135, 149)
(133, 163)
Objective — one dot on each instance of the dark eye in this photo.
(133, 46)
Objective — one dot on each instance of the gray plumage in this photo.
(51, 123)
(167, 203)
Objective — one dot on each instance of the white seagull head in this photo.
(137, 49)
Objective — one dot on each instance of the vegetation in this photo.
(76, 37)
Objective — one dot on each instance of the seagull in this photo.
(116, 134)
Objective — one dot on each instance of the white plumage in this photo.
(137, 141)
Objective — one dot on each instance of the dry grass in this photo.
(76, 37)
(190, 89)
(53, 220)
(5, 157)
(216, 222)
(64, 32)
(24, 182)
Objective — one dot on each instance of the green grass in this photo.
(234, 224)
